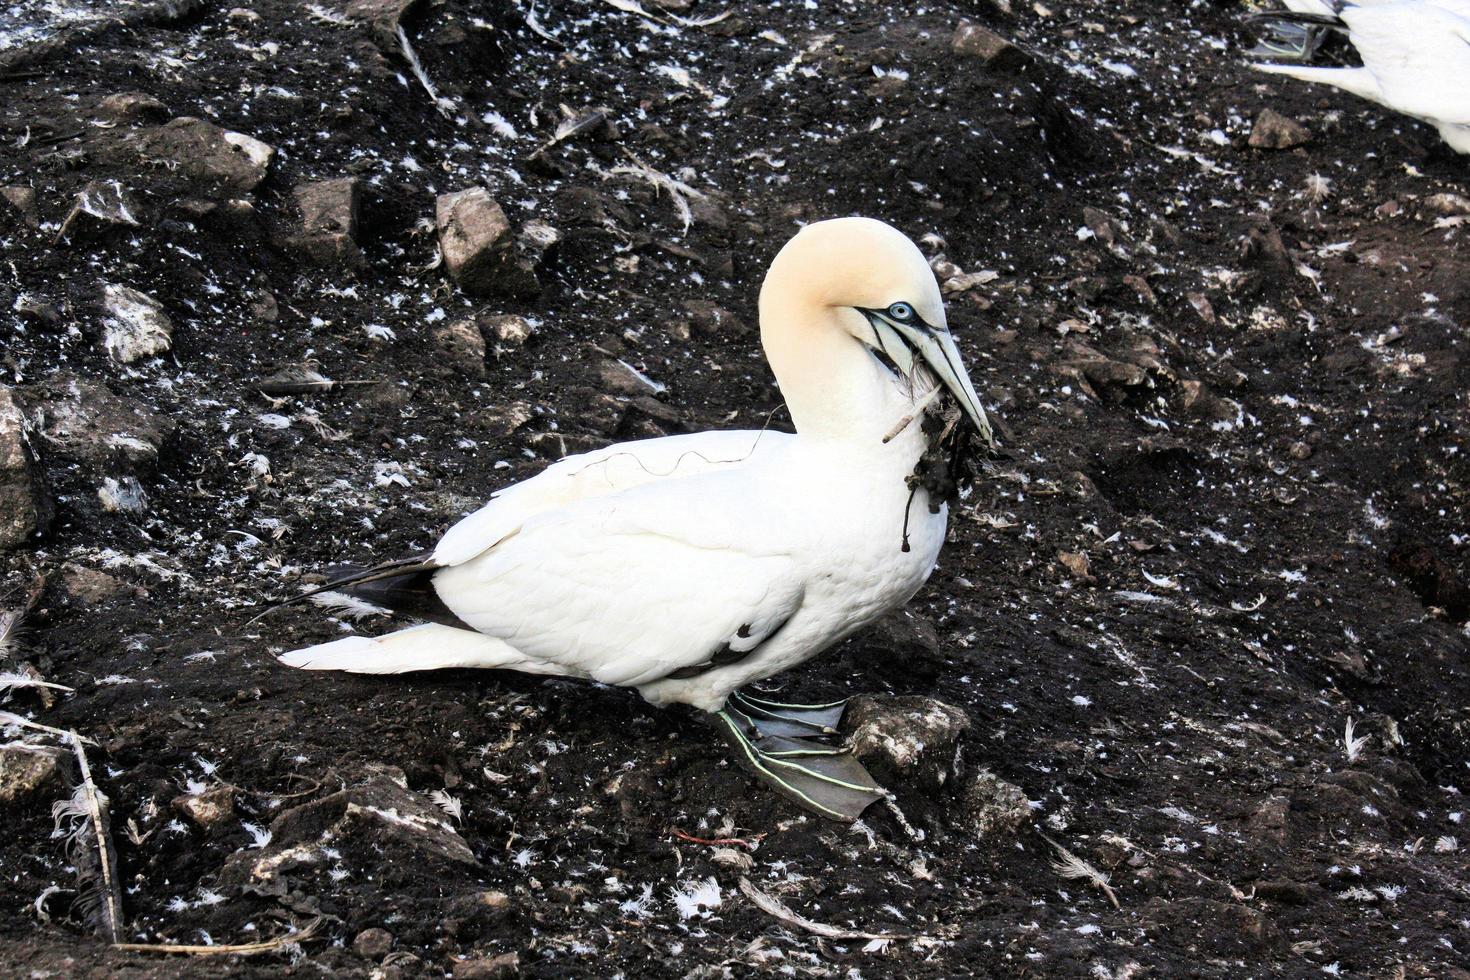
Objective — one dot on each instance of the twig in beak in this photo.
(908, 419)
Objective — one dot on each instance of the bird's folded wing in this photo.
(599, 473)
(1420, 57)
(630, 591)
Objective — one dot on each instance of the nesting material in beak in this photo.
(904, 339)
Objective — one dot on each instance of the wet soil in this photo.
(1231, 383)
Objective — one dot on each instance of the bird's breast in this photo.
(871, 542)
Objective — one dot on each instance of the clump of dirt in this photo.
(1230, 383)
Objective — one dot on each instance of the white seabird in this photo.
(1416, 59)
(692, 565)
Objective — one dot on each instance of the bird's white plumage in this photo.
(1416, 60)
(630, 586)
(1332, 8)
(691, 565)
(428, 646)
(599, 473)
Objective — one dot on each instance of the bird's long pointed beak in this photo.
(942, 355)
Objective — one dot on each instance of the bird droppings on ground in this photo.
(1231, 380)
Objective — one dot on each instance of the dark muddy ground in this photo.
(1232, 383)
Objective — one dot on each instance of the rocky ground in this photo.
(292, 284)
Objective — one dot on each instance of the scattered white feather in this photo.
(9, 630)
(680, 192)
(638, 907)
(1072, 867)
(446, 106)
(451, 805)
(697, 898)
(1161, 581)
(1318, 188)
(1351, 744)
(40, 903)
(499, 124)
(260, 836)
(326, 15)
(350, 606)
(11, 680)
(389, 474)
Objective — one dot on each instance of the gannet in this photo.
(1416, 59)
(690, 566)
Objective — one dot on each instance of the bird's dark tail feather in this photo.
(404, 586)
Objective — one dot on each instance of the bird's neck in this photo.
(836, 390)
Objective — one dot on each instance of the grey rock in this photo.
(708, 319)
(36, 310)
(499, 421)
(993, 806)
(708, 212)
(911, 739)
(132, 107)
(619, 378)
(91, 587)
(123, 495)
(373, 944)
(481, 250)
(462, 346)
(487, 967)
(1287, 892)
(1105, 373)
(475, 238)
(1202, 306)
(535, 243)
(1271, 822)
(1264, 247)
(510, 331)
(989, 48)
(25, 503)
(1217, 929)
(215, 158)
(1199, 400)
(328, 235)
(1274, 131)
(207, 809)
(19, 204)
(1445, 203)
(29, 772)
(383, 16)
(263, 307)
(83, 422)
(378, 814)
(134, 324)
(102, 206)
(1107, 230)
(477, 912)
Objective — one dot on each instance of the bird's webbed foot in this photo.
(790, 747)
(1289, 42)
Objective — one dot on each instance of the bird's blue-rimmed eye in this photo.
(902, 312)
